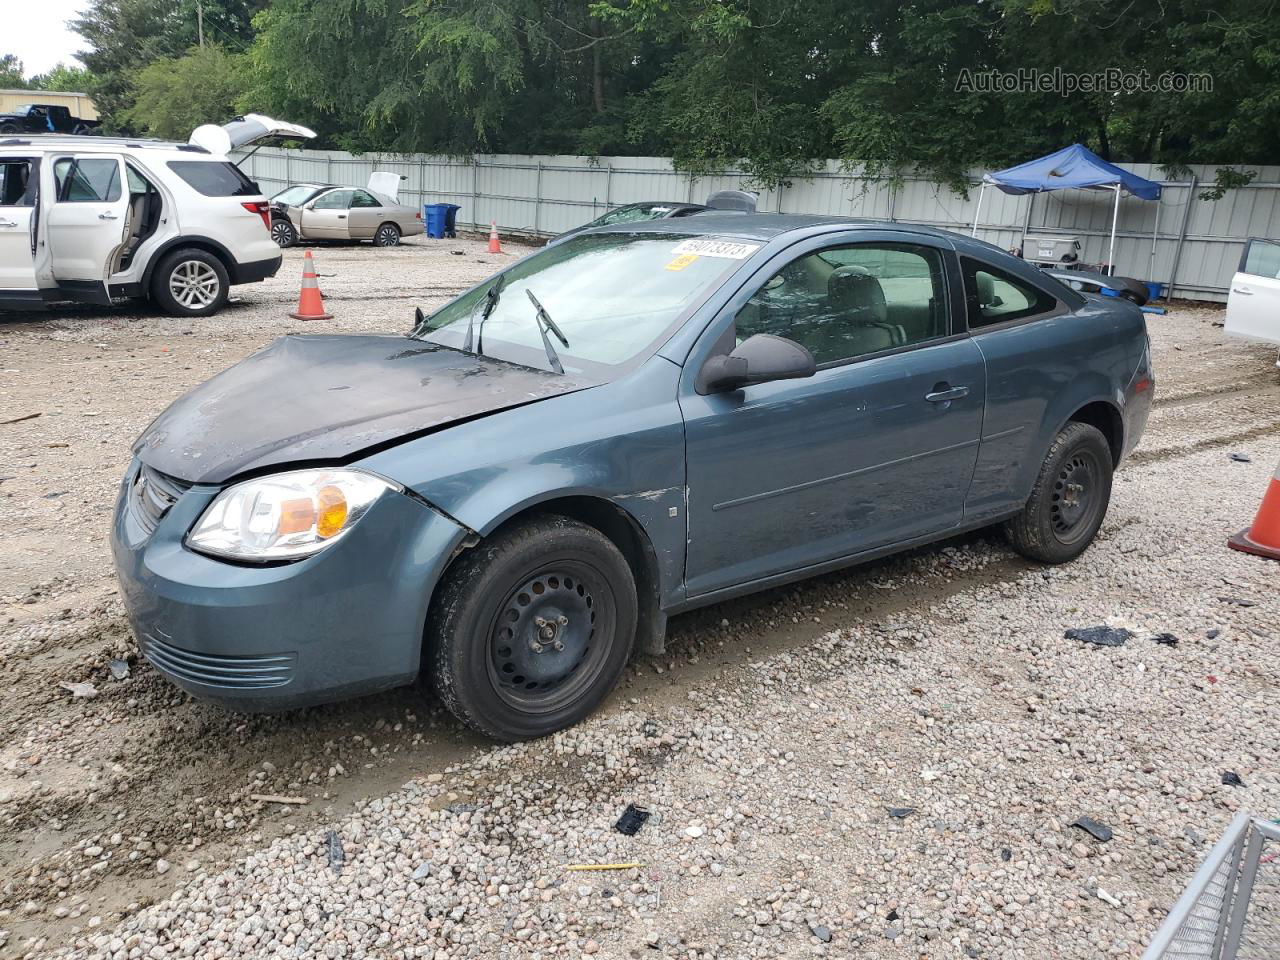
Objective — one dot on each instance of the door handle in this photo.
(107, 216)
(8, 223)
(342, 216)
(943, 393)
(1243, 291)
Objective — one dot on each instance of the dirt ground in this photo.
(164, 783)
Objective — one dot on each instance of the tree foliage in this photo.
(174, 96)
(12, 74)
(67, 79)
(775, 86)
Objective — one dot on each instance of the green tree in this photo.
(173, 97)
(63, 78)
(12, 76)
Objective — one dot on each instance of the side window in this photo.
(335, 200)
(995, 296)
(851, 301)
(15, 176)
(1262, 259)
(362, 199)
(87, 180)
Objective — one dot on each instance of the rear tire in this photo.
(532, 628)
(190, 283)
(387, 235)
(1069, 500)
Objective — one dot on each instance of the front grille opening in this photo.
(153, 494)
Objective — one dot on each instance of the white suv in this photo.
(98, 219)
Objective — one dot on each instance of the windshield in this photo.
(614, 295)
(293, 195)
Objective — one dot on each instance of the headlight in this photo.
(286, 516)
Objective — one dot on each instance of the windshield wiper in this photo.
(490, 301)
(545, 322)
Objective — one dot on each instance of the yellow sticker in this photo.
(682, 261)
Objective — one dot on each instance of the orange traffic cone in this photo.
(495, 245)
(1263, 538)
(310, 304)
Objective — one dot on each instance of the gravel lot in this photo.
(769, 744)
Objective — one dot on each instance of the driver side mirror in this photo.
(762, 358)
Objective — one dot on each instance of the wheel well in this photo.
(1107, 419)
(631, 540)
(184, 243)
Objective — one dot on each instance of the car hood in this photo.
(306, 399)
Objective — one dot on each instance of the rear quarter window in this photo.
(214, 178)
(995, 296)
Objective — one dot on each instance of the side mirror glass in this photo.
(763, 358)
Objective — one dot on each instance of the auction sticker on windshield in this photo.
(707, 247)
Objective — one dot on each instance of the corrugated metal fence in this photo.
(1195, 252)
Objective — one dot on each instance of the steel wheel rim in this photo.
(1076, 497)
(550, 637)
(194, 284)
(387, 236)
(282, 234)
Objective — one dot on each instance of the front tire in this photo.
(388, 235)
(190, 283)
(283, 233)
(1069, 500)
(532, 628)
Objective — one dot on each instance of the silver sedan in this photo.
(310, 211)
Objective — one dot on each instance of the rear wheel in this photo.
(532, 628)
(190, 283)
(10, 128)
(283, 233)
(1069, 500)
(387, 235)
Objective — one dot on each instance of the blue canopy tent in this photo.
(1073, 168)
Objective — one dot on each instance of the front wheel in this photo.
(532, 628)
(388, 235)
(1069, 500)
(190, 283)
(283, 233)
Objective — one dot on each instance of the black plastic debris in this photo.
(632, 819)
(901, 813)
(1165, 639)
(1242, 458)
(892, 916)
(1212, 634)
(1232, 779)
(1099, 831)
(1100, 636)
(1006, 854)
(336, 854)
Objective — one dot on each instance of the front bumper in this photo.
(345, 621)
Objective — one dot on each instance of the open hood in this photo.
(386, 184)
(242, 131)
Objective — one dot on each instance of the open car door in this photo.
(1253, 305)
(242, 131)
(19, 222)
(88, 206)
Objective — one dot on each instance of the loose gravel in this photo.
(769, 745)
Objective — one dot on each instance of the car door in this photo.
(1253, 303)
(877, 448)
(365, 216)
(87, 219)
(19, 223)
(327, 217)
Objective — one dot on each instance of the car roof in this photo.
(764, 226)
(93, 144)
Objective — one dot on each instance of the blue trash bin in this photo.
(435, 214)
